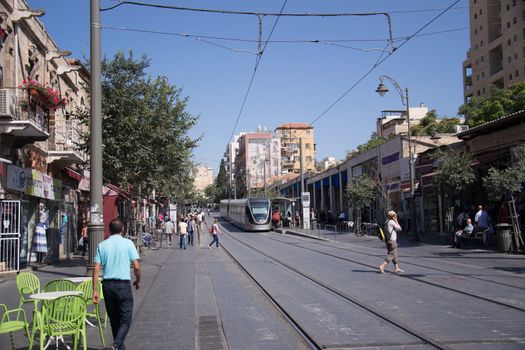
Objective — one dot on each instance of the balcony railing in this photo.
(13, 108)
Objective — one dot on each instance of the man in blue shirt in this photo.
(115, 255)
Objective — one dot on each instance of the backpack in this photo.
(382, 235)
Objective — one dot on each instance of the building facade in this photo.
(291, 136)
(497, 54)
(257, 162)
(203, 177)
(43, 195)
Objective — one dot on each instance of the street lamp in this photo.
(382, 90)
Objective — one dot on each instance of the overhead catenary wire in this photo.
(377, 64)
(259, 57)
(331, 42)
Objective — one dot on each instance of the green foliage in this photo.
(145, 129)
(502, 102)
(454, 171)
(500, 183)
(361, 192)
(373, 142)
(430, 124)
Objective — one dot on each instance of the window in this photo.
(479, 94)
(515, 55)
(308, 158)
(480, 12)
(515, 37)
(480, 28)
(508, 42)
(482, 74)
(508, 59)
(477, 62)
(483, 90)
(307, 132)
(517, 73)
(307, 145)
(482, 58)
(508, 7)
(477, 77)
(514, 20)
(508, 25)
(475, 16)
(475, 30)
(481, 43)
(510, 76)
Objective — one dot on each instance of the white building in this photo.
(394, 122)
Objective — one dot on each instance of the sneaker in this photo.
(209, 247)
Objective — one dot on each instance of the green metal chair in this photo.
(10, 325)
(65, 316)
(60, 286)
(86, 288)
(27, 283)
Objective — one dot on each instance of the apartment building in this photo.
(292, 135)
(497, 51)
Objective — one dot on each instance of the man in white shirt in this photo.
(183, 231)
(168, 229)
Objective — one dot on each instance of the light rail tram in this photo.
(250, 214)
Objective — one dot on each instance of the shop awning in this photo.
(72, 174)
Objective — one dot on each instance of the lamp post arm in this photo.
(398, 88)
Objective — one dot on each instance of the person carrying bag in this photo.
(391, 228)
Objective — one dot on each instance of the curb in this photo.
(293, 233)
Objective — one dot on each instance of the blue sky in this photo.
(295, 82)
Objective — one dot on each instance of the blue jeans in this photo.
(216, 240)
(184, 241)
(190, 237)
(119, 306)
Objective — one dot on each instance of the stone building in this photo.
(42, 192)
(203, 177)
(496, 55)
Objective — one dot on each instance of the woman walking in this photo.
(214, 230)
(392, 227)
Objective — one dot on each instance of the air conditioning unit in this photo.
(8, 105)
(461, 128)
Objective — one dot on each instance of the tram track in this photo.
(479, 297)
(414, 264)
(426, 339)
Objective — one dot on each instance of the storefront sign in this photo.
(357, 171)
(33, 183)
(394, 157)
(393, 187)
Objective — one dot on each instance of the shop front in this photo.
(40, 199)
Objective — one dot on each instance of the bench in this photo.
(475, 236)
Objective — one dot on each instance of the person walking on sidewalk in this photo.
(191, 229)
(392, 226)
(168, 230)
(183, 231)
(214, 230)
(114, 255)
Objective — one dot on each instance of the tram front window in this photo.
(259, 210)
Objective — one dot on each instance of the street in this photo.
(297, 293)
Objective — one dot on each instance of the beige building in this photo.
(394, 122)
(40, 90)
(292, 134)
(203, 177)
(497, 53)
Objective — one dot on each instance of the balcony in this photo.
(62, 145)
(27, 123)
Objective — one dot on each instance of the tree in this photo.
(145, 129)
(506, 182)
(221, 182)
(454, 171)
(501, 102)
(361, 192)
(430, 124)
(373, 142)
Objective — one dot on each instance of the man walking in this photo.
(114, 255)
(392, 226)
(214, 230)
(183, 231)
(168, 230)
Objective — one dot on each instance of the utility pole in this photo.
(96, 222)
(301, 171)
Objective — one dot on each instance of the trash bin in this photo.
(503, 237)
